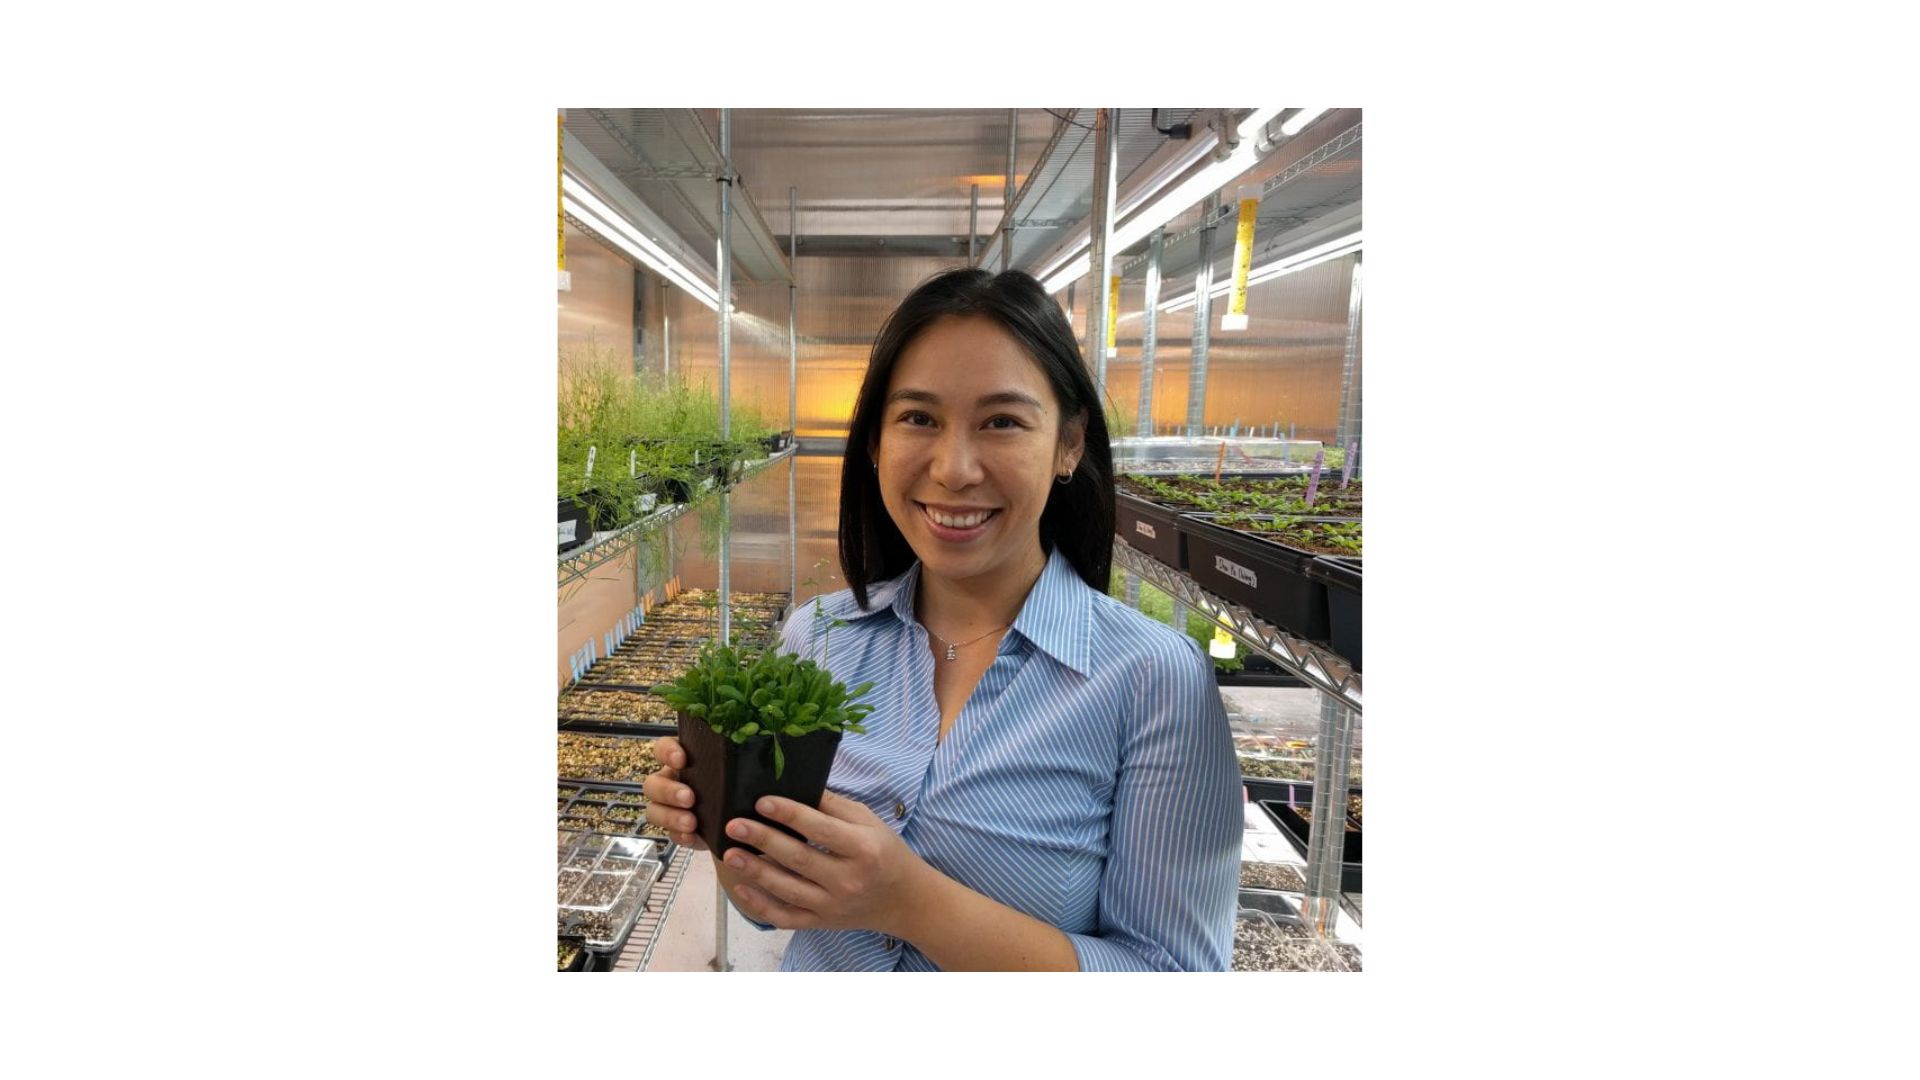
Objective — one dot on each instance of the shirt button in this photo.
(899, 811)
(890, 944)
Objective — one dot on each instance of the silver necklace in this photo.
(951, 646)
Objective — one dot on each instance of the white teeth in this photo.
(959, 521)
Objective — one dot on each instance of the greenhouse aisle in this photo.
(686, 937)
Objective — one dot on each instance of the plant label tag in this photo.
(1145, 530)
(1237, 572)
(1346, 465)
(567, 530)
(1313, 482)
(631, 470)
(591, 451)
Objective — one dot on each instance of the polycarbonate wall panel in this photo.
(599, 306)
(1285, 367)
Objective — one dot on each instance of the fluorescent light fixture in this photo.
(1175, 202)
(608, 222)
(1298, 121)
(1313, 256)
(1251, 125)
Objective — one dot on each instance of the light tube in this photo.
(1298, 121)
(1313, 256)
(1252, 124)
(647, 256)
(609, 223)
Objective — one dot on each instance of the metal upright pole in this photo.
(973, 222)
(1202, 322)
(725, 264)
(1006, 200)
(793, 396)
(1349, 431)
(1326, 837)
(1132, 581)
(1101, 260)
(1150, 333)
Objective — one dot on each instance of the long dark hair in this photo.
(1078, 520)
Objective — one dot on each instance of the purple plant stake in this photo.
(1346, 467)
(1313, 482)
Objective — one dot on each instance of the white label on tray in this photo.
(566, 531)
(1237, 572)
(1145, 530)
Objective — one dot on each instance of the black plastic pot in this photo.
(573, 524)
(729, 778)
(1341, 576)
(1150, 528)
(1266, 577)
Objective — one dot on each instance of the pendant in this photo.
(950, 649)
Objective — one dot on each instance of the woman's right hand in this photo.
(668, 800)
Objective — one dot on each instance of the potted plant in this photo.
(752, 727)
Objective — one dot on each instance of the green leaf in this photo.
(779, 759)
(747, 730)
(730, 691)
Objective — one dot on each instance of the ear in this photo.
(1073, 438)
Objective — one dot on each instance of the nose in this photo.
(956, 465)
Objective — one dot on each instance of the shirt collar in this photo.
(1056, 617)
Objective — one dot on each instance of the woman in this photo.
(1046, 781)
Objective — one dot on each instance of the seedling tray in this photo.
(613, 760)
(1267, 578)
(608, 810)
(1341, 576)
(1263, 941)
(1272, 903)
(1150, 528)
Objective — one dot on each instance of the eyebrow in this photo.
(1004, 397)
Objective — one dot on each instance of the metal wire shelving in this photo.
(582, 561)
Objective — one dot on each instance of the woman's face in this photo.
(969, 448)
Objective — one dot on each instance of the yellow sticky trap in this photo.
(1113, 313)
(1236, 316)
(1222, 645)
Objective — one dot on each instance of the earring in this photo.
(1064, 479)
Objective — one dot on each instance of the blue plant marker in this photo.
(1313, 482)
(1286, 455)
(1291, 433)
(1346, 466)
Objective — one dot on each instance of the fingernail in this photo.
(736, 860)
(737, 830)
(766, 807)
(686, 798)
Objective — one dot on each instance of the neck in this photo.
(959, 608)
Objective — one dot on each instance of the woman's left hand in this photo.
(867, 879)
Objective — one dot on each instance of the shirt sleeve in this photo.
(1167, 892)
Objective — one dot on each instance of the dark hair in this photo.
(1078, 519)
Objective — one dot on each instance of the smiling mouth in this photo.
(957, 523)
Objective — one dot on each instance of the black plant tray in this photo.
(582, 532)
(1295, 829)
(1341, 576)
(1150, 528)
(580, 956)
(600, 727)
(1267, 578)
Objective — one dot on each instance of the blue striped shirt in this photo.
(1089, 781)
